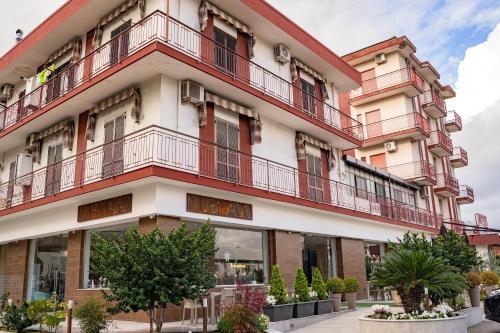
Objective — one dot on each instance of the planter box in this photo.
(323, 307)
(336, 302)
(279, 312)
(474, 295)
(474, 315)
(454, 324)
(350, 298)
(304, 309)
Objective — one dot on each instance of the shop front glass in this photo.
(319, 251)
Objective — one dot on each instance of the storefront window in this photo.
(240, 256)
(92, 278)
(319, 251)
(48, 267)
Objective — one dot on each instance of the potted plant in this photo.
(489, 280)
(335, 286)
(304, 307)
(323, 304)
(277, 308)
(351, 288)
(474, 280)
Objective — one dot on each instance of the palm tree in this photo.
(410, 271)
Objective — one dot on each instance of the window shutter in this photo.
(119, 127)
(108, 132)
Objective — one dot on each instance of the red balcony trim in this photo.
(459, 154)
(396, 126)
(152, 152)
(439, 139)
(429, 97)
(416, 169)
(454, 119)
(484, 239)
(466, 194)
(446, 182)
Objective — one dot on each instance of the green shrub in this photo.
(37, 310)
(49, 312)
(489, 278)
(473, 279)
(4, 299)
(351, 285)
(301, 288)
(16, 318)
(318, 285)
(335, 285)
(93, 316)
(278, 288)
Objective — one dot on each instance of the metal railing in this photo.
(185, 39)
(456, 225)
(439, 138)
(413, 170)
(466, 192)
(452, 117)
(155, 146)
(396, 124)
(388, 80)
(460, 154)
(430, 96)
(448, 181)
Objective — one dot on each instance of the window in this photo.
(54, 170)
(55, 83)
(47, 267)
(361, 187)
(308, 97)
(112, 160)
(398, 195)
(119, 46)
(225, 51)
(227, 150)
(92, 278)
(315, 179)
(21, 110)
(240, 256)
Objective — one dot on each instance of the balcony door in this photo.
(119, 46)
(227, 150)
(112, 160)
(373, 124)
(21, 110)
(11, 184)
(54, 170)
(369, 83)
(225, 51)
(308, 96)
(315, 179)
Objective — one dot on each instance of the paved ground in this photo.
(486, 326)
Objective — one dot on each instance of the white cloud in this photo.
(478, 84)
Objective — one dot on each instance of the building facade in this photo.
(157, 112)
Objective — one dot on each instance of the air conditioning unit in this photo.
(6, 91)
(424, 192)
(380, 59)
(192, 92)
(390, 147)
(30, 141)
(24, 169)
(281, 53)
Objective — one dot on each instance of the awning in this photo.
(300, 145)
(67, 126)
(74, 46)
(206, 7)
(295, 64)
(255, 122)
(130, 93)
(111, 16)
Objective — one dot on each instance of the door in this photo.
(11, 185)
(378, 161)
(369, 83)
(381, 199)
(373, 124)
(227, 150)
(120, 45)
(112, 160)
(21, 110)
(315, 179)
(54, 170)
(56, 82)
(225, 51)
(308, 96)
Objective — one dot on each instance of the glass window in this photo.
(47, 267)
(225, 51)
(308, 98)
(361, 187)
(91, 277)
(315, 178)
(240, 256)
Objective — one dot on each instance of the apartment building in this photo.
(152, 112)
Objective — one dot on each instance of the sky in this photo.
(461, 38)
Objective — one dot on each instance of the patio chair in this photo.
(193, 306)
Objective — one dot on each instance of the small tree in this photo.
(278, 288)
(351, 285)
(413, 242)
(301, 288)
(453, 248)
(148, 271)
(318, 285)
(92, 316)
(335, 285)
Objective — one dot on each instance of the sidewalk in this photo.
(346, 323)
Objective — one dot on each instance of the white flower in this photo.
(313, 294)
(271, 300)
(380, 308)
(443, 309)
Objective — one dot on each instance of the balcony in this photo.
(433, 104)
(159, 152)
(447, 186)
(453, 122)
(439, 144)
(419, 172)
(402, 81)
(412, 125)
(459, 158)
(456, 225)
(190, 50)
(466, 195)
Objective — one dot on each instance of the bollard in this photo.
(205, 315)
(71, 304)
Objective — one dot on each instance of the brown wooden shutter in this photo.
(107, 157)
(118, 145)
(12, 178)
(221, 137)
(233, 163)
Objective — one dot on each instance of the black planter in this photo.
(323, 307)
(304, 309)
(279, 312)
